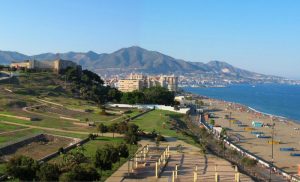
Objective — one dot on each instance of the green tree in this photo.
(123, 150)
(114, 95)
(102, 128)
(73, 158)
(159, 95)
(131, 136)
(48, 172)
(122, 127)
(114, 153)
(223, 133)
(103, 159)
(80, 173)
(212, 122)
(113, 128)
(22, 167)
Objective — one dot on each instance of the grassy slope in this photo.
(26, 89)
(157, 119)
(43, 85)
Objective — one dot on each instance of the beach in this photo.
(286, 132)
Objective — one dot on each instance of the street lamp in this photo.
(119, 158)
(272, 159)
(230, 120)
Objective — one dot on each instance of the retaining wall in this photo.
(66, 149)
(7, 149)
(151, 106)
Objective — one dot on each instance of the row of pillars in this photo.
(162, 160)
(217, 177)
(139, 156)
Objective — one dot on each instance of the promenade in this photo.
(189, 161)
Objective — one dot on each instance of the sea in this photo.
(275, 99)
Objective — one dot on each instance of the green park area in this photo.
(90, 148)
(70, 106)
(166, 123)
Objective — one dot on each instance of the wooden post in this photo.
(132, 165)
(176, 171)
(216, 177)
(136, 162)
(195, 176)
(237, 177)
(236, 169)
(173, 176)
(196, 168)
(156, 170)
(128, 167)
(159, 161)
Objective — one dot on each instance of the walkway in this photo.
(187, 159)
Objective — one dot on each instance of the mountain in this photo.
(6, 57)
(137, 59)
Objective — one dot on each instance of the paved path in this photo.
(187, 160)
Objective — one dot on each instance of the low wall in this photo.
(11, 147)
(151, 106)
(66, 149)
(7, 148)
(53, 155)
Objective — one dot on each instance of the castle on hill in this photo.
(54, 65)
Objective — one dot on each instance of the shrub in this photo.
(123, 150)
(248, 162)
(80, 173)
(22, 167)
(160, 138)
(48, 172)
(61, 150)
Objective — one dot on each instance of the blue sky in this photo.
(258, 35)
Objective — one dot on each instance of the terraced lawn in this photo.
(8, 128)
(161, 121)
(17, 136)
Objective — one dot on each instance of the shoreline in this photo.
(281, 118)
(287, 131)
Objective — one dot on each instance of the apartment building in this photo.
(129, 85)
(140, 81)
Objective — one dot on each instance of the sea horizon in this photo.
(279, 100)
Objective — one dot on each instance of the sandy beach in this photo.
(286, 132)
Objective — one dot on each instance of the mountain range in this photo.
(137, 59)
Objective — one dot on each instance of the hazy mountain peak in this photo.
(136, 59)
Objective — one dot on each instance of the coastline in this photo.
(276, 117)
(287, 131)
(251, 106)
